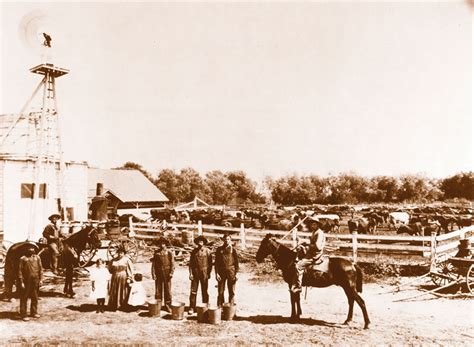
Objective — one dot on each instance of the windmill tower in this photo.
(32, 138)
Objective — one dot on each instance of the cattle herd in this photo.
(411, 220)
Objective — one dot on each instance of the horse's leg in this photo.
(298, 305)
(361, 304)
(350, 298)
(293, 304)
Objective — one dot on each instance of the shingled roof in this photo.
(126, 185)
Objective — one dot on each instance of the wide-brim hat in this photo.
(200, 238)
(54, 216)
(164, 240)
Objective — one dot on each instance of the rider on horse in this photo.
(311, 253)
(53, 237)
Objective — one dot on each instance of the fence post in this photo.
(433, 252)
(243, 241)
(131, 228)
(294, 235)
(354, 246)
(199, 228)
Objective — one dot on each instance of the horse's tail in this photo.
(359, 278)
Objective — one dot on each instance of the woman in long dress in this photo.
(122, 274)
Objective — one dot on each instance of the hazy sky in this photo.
(268, 88)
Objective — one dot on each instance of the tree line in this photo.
(235, 187)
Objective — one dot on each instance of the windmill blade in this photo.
(32, 28)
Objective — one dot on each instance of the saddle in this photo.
(320, 265)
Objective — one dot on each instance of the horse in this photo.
(341, 272)
(88, 236)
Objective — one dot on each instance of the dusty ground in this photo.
(263, 310)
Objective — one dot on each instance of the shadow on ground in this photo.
(260, 319)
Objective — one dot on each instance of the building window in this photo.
(28, 190)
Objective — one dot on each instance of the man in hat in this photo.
(464, 249)
(53, 237)
(313, 253)
(226, 267)
(200, 266)
(30, 275)
(162, 269)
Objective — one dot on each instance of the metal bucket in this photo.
(201, 312)
(214, 315)
(187, 237)
(228, 311)
(154, 308)
(177, 310)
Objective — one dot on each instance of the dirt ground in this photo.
(263, 310)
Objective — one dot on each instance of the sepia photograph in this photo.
(193, 173)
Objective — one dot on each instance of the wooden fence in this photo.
(431, 247)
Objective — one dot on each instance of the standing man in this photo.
(162, 269)
(313, 254)
(51, 233)
(200, 266)
(30, 275)
(227, 267)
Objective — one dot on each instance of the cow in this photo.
(413, 229)
(396, 218)
(361, 225)
(328, 222)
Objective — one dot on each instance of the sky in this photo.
(269, 88)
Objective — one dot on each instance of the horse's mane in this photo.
(71, 239)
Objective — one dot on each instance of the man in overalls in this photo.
(200, 266)
(227, 267)
(313, 254)
(162, 269)
(52, 235)
(30, 275)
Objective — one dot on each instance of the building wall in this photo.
(25, 218)
(1, 202)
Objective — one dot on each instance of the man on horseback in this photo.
(311, 254)
(53, 237)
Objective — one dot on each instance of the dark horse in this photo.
(78, 242)
(342, 272)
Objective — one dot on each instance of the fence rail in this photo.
(430, 247)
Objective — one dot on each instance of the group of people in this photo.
(225, 262)
(123, 288)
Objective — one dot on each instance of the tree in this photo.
(220, 188)
(460, 185)
(190, 185)
(134, 166)
(242, 186)
(167, 182)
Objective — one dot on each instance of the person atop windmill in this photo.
(47, 40)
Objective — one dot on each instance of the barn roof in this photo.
(127, 185)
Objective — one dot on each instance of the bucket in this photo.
(187, 237)
(214, 315)
(154, 308)
(201, 312)
(228, 311)
(177, 310)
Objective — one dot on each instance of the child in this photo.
(100, 277)
(137, 292)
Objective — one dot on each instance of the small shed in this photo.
(126, 189)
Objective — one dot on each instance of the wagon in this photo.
(120, 237)
(454, 270)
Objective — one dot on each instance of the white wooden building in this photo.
(21, 216)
